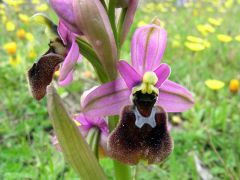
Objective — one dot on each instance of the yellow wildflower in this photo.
(10, 48)
(176, 120)
(161, 8)
(214, 84)
(205, 29)
(224, 38)
(237, 38)
(10, 26)
(194, 46)
(195, 12)
(21, 33)
(209, 28)
(32, 54)
(42, 7)
(215, 22)
(173, 9)
(24, 18)
(141, 23)
(206, 44)
(176, 43)
(57, 73)
(4, 19)
(210, 9)
(29, 36)
(194, 39)
(228, 3)
(35, 1)
(234, 85)
(222, 10)
(149, 7)
(14, 60)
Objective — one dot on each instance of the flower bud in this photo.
(93, 21)
(234, 86)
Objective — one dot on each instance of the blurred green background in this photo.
(203, 51)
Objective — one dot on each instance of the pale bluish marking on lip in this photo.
(141, 120)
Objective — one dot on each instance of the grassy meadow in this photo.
(203, 52)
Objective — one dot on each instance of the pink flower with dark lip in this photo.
(62, 50)
(86, 124)
(147, 48)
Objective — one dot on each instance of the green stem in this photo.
(87, 51)
(120, 26)
(122, 171)
(111, 15)
(93, 138)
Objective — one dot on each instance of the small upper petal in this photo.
(162, 72)
(128, 73)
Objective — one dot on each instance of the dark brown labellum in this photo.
(129, 144)
(41, 74)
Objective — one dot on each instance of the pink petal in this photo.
(147, 47)
(128, 73)
(69, 61)
(67, 80)
(162, 72)
(63, 32)
(107, 99)
(132, 7)
(93, 21)
(64, 9)
(174, 97)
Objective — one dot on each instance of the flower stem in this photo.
(111, 15)
(87, 51)
(93, 140)
(122, 171)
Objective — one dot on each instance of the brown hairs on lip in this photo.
(41, 74)
(130, 144)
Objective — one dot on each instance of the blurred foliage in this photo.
(203, 43)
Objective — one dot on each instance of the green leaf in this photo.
(87, 51)
(75, 149)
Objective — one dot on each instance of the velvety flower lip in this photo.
(64, 9)
(147, 49)
(129, 144)
(41, 74)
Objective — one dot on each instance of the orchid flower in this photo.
(88, 128)
(63, 49)
(142, 132)
(146, 74)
